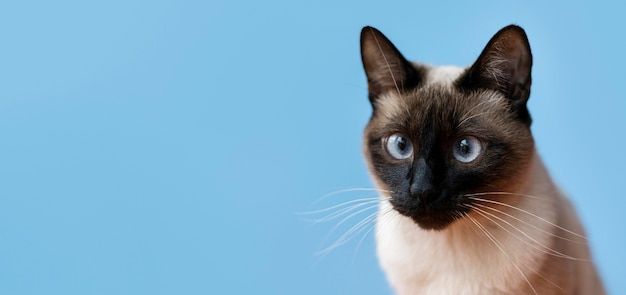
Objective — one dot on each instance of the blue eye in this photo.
(398, 146)
(467, 149)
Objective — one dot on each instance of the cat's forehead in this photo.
(437, 88)
(440, 98)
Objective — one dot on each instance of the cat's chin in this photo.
(429, 220)
(437, 223)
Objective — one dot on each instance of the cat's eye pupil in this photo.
(464, 146)
(398, 146)
(401, 143)
(468, 148)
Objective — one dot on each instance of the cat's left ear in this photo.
(505, 65)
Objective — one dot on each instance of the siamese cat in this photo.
(467, 206)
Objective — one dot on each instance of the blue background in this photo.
(170, 147)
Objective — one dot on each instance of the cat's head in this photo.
(439, 133)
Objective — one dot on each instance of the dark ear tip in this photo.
(366, 30)
(513, 29)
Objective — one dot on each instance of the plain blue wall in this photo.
(167, 147)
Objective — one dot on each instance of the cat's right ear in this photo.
(385, 67)
(505, 66)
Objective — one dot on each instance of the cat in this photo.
(466, 204)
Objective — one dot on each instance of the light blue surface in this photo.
(166, 147)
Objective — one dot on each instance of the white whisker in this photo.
(530, 224)
(341, 209)
(354, 230)
(549, 281)
(529, 213)
(547, 250)
(350, 216)
(344, 212)
(349, 190)
(503, 193)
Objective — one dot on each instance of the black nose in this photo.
(425, 194)
(422, 182)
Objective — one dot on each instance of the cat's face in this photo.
(438, 134)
